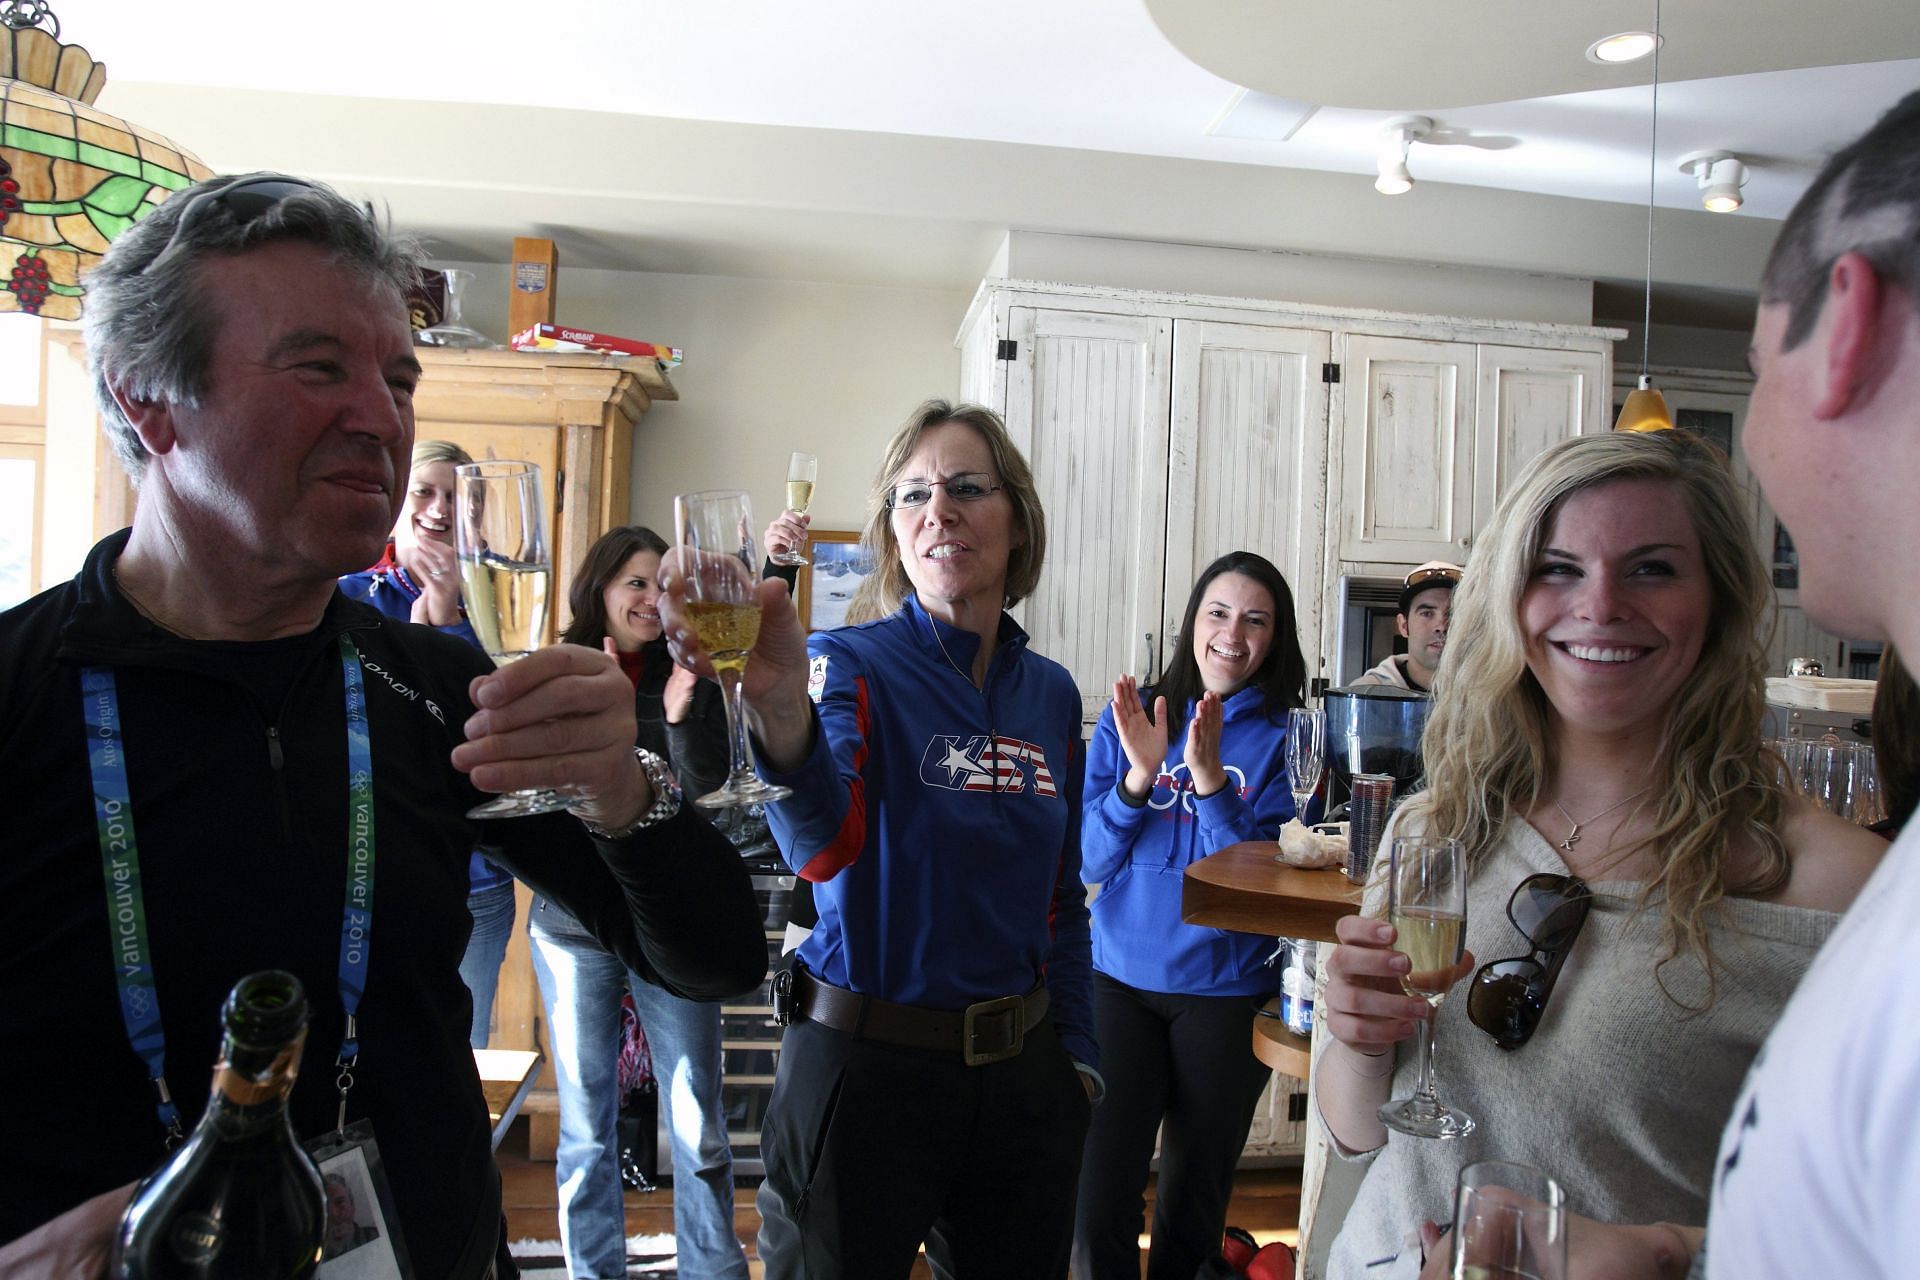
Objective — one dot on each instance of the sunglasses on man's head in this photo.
(1509, 996)
(243, 201)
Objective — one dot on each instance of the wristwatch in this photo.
(666, 798)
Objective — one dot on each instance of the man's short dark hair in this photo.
(1866, 201)
(148, 328)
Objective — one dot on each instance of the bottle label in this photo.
(196, 1238)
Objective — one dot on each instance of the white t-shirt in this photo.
(1819, 1169)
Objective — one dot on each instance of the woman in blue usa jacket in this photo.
(1174, 1003)
(936, 1081)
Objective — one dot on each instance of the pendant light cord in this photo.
(1653, 151)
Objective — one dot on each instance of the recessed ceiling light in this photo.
(1626, 46)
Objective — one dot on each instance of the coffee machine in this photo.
(1373, 728)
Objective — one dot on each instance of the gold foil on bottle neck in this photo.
(274, 1083)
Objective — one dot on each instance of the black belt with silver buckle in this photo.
(988, 1031)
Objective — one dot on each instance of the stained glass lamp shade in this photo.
(71, 177)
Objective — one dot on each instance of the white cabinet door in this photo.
(1527, 401)
(1087, 402)
(1405, 462)
(1247, 461)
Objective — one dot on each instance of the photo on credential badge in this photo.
(358, 1242)
(827, 586)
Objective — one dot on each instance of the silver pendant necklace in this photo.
(1573, 836)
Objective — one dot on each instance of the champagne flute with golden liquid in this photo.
(802, 470)
(1427, 907)
(500, 541)
(722, 571)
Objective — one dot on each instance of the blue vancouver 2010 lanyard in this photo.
(126, 905)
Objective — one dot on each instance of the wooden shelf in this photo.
(1275, 1044)
(1243, 888)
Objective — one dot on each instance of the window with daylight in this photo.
(23, 454)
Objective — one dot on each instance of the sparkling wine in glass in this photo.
(1427, 906)
(1306, 754)
(1509, 1223)
(500, 540)
(722, 572)
(802, 470)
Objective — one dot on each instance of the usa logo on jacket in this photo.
(981, 763)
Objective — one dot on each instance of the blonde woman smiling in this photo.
(1644, 892)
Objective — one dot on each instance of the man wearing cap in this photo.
(1426, 605)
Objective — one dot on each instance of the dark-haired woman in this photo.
(1174, 1003)
(615, 598)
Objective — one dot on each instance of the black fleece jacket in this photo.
(237, 764)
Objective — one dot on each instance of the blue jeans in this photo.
(580, 985)
(492, 911)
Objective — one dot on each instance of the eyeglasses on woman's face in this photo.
(968, 486)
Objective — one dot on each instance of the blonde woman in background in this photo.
(1645, 892)
(417, 580)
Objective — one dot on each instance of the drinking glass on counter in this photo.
(722, 570)
(1840, 777)
(1509, 1223)
(1306, 754)
(506, 576)
(802, 470)
(1427, 907)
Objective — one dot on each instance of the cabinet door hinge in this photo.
(1007, 350)
(1329, 373)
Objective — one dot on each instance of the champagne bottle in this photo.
(240, 1197)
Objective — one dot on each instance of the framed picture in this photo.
(826, 587)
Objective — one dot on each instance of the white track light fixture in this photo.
(1720, 175)
(1401, 134)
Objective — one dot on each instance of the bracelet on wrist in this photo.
(666, 799)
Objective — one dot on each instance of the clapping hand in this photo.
(1144, 740)
(1202, 752)
(436, 571)
(677, 698)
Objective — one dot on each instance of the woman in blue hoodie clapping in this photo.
(1174, 1003)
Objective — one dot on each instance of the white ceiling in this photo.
(247, 85)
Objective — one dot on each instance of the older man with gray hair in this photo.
(254, 746)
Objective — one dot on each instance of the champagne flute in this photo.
(1306, 754)
(500, 540)
(722, 572)
(1509, 1223)
(802, 469)
(1427, 907)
